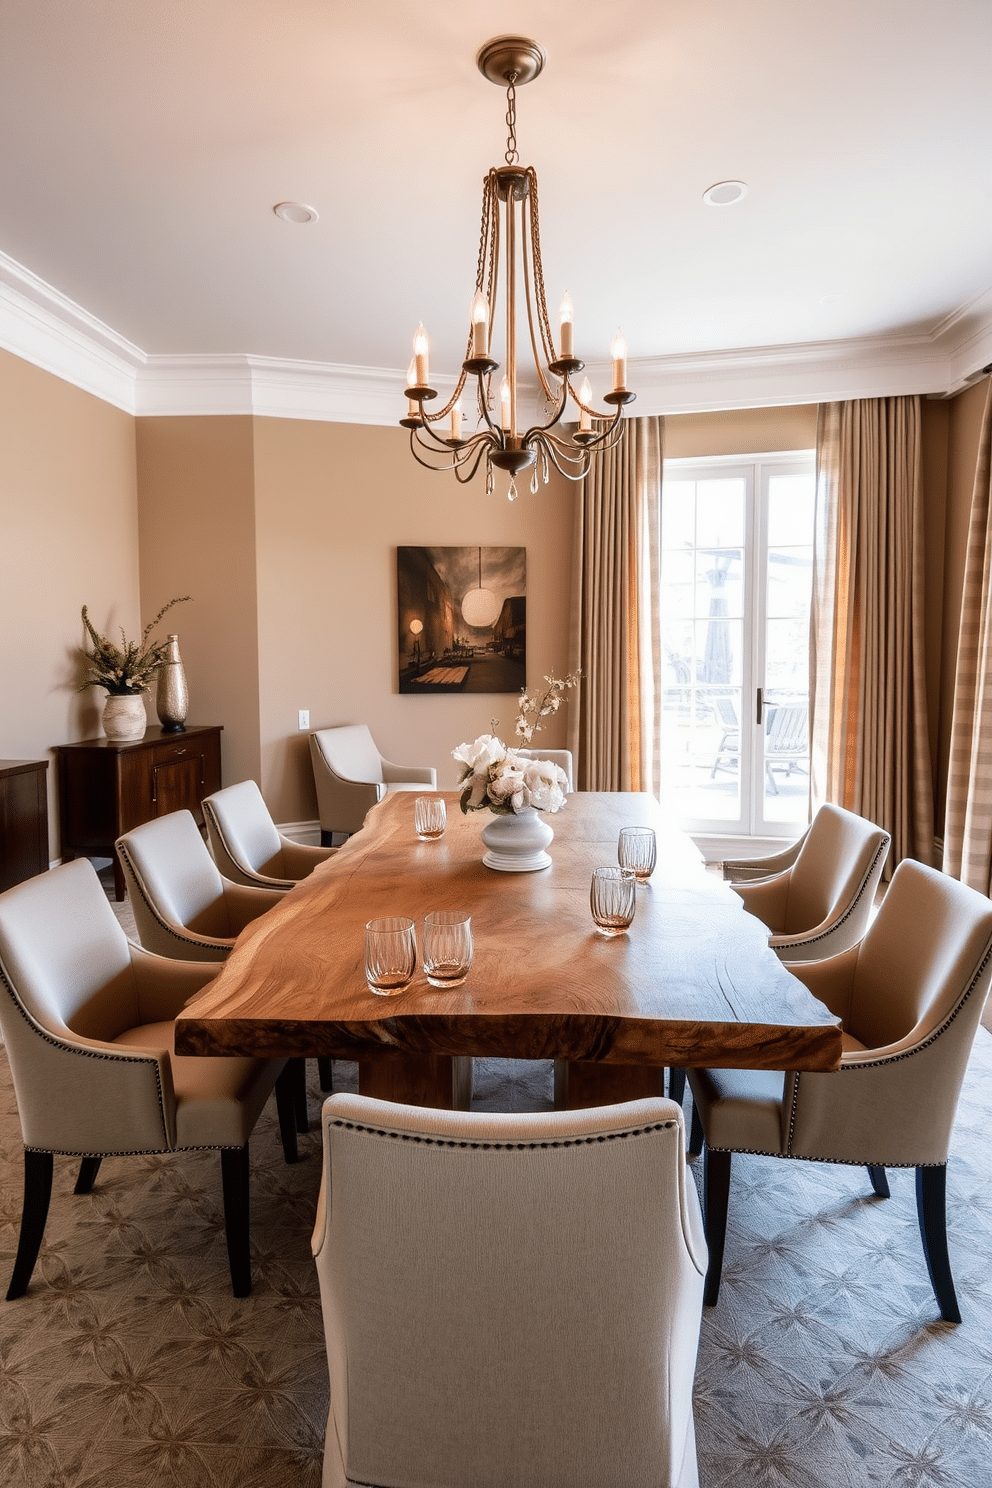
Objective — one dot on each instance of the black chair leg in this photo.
(696, 1134)
(879, 1181)
(88, 1169)
(676, 1084)
(325, 1072)
(716, 1193)
(38, 1170)
(286, 1107)
(931, 1207)
(298, 1077)
(326, 838)
(234, 1178)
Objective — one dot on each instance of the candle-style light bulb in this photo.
(480, 325)
(566, 316)
(421, 347)
(456, 420)
(618, 351)
(504, 404)
(585, 398)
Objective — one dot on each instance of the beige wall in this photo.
(333, 502)
(740, 431)
(70, 537)
(285, 534)
(197, 533)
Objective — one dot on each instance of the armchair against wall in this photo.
(351, 776)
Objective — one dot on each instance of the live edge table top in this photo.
(692, 983)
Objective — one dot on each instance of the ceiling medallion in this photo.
(510, 217)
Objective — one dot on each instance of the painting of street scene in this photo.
(462, 619)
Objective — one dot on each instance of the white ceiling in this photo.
(145, 143)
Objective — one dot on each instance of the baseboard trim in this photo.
(305, 832)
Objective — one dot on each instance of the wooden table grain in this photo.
(692, 983)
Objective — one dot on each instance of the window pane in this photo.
(720, 513)
(719, 582)
(790, 510)
(678, 514)
(790, 574)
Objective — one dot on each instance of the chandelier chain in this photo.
(512, 156)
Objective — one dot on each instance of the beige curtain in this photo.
(868, 717)
(615, 724)
(968, 820)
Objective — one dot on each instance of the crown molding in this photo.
(44, 327)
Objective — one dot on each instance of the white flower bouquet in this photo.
(497, 779)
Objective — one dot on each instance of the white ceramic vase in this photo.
(124, 717)
(517, 843)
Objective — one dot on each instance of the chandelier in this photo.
(510, 217)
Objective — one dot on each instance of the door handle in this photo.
(758, 705)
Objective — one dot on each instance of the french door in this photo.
(736, 572)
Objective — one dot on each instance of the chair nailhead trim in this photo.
(831, 929)
(57, 1043)
(852, 1069)
(426, 1141)
(166, 925)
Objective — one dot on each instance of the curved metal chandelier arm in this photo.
(469, 473)
(605, 440)
(552, 448)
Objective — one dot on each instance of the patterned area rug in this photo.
(129, 1363)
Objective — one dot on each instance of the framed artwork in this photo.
(462, 616)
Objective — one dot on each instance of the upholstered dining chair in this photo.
(821, 905)
(560, 757)
(523, 1290)
(182, 904)
(910, 997)
(88, 1024)
(745, 870)
(351, 776)
(184, 907)
(246, 844)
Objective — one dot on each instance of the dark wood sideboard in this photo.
(23, 820)
(106, 787)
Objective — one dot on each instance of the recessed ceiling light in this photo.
(724, 193)
(295, 212)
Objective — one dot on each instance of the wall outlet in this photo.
(304, 718)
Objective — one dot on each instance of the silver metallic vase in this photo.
(172, 694)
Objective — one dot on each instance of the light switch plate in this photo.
(304, 718)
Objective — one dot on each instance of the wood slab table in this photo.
(692, 983)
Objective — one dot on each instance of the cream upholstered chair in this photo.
(508, 1299)
(560, 757)
(910, 997)
(246, 845)
(745, 870)
(182, 905)
(351, 776)
(88, 1022)
(821, 905)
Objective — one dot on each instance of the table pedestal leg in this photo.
(580, 1083)
(440, 1080)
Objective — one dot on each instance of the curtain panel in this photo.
(870, 749)
(968, 818)
(614, 721)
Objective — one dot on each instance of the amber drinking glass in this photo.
(637, 849)
(390, 954)
(612, 899)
